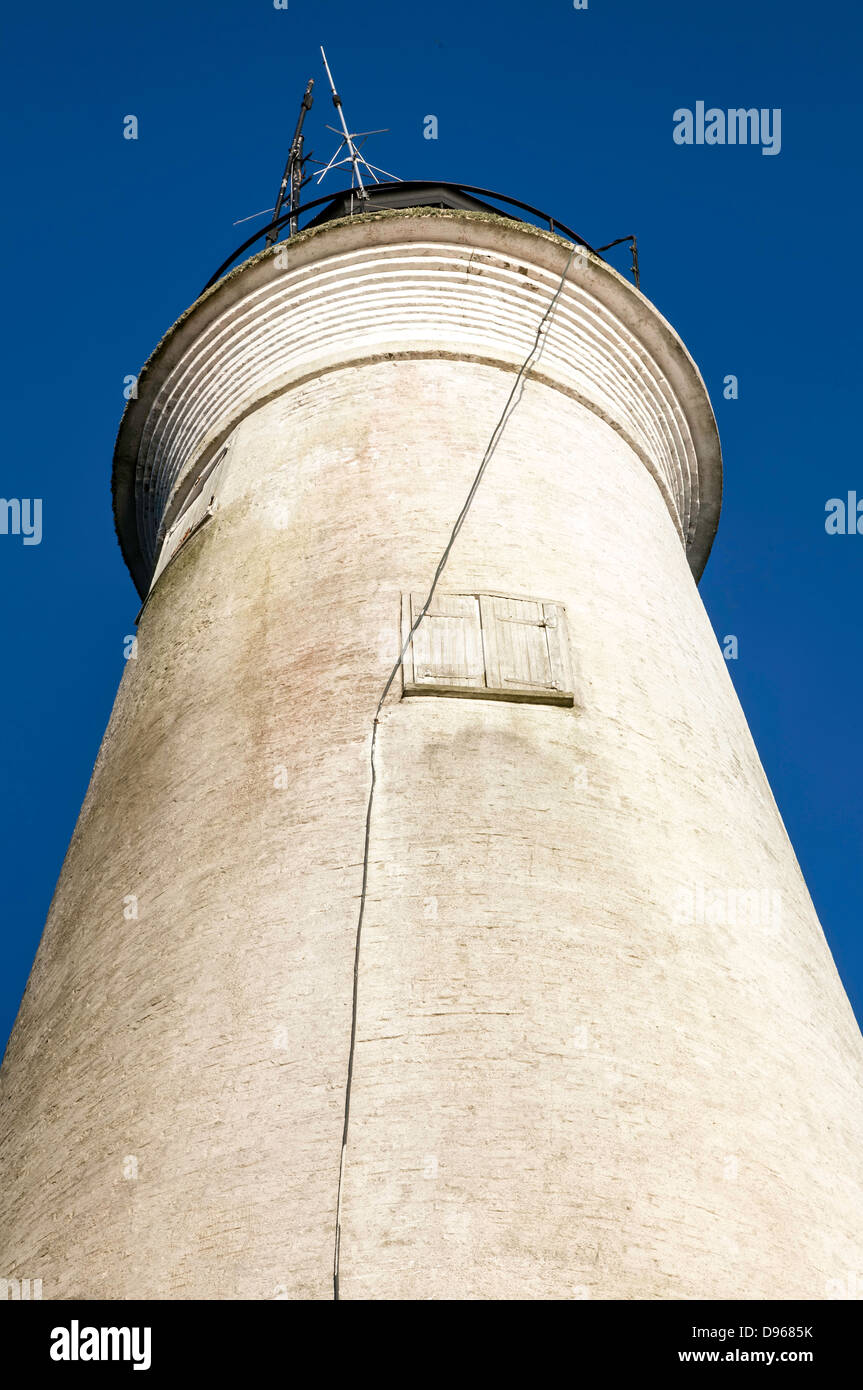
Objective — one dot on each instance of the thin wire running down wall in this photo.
(510, 406)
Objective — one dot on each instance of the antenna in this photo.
(292, 178)
(348, 143)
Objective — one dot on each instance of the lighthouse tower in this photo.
(590, 1041)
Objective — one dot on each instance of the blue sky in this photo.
(754, 259)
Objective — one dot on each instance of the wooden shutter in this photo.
(488, 646)
(558, 649)
(446, 651)
(199, 504)
(525, 649)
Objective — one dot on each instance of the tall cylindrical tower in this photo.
(601, 1046)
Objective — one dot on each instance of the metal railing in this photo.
(553, 224)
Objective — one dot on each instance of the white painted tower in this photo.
(602, 1049)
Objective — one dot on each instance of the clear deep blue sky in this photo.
(755, 259)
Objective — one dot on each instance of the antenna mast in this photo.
(292, 178)
(353, 152)
(353, 156)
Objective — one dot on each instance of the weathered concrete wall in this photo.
(568, 1082)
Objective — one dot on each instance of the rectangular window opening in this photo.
(488, 646)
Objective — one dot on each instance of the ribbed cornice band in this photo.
(416, 283)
